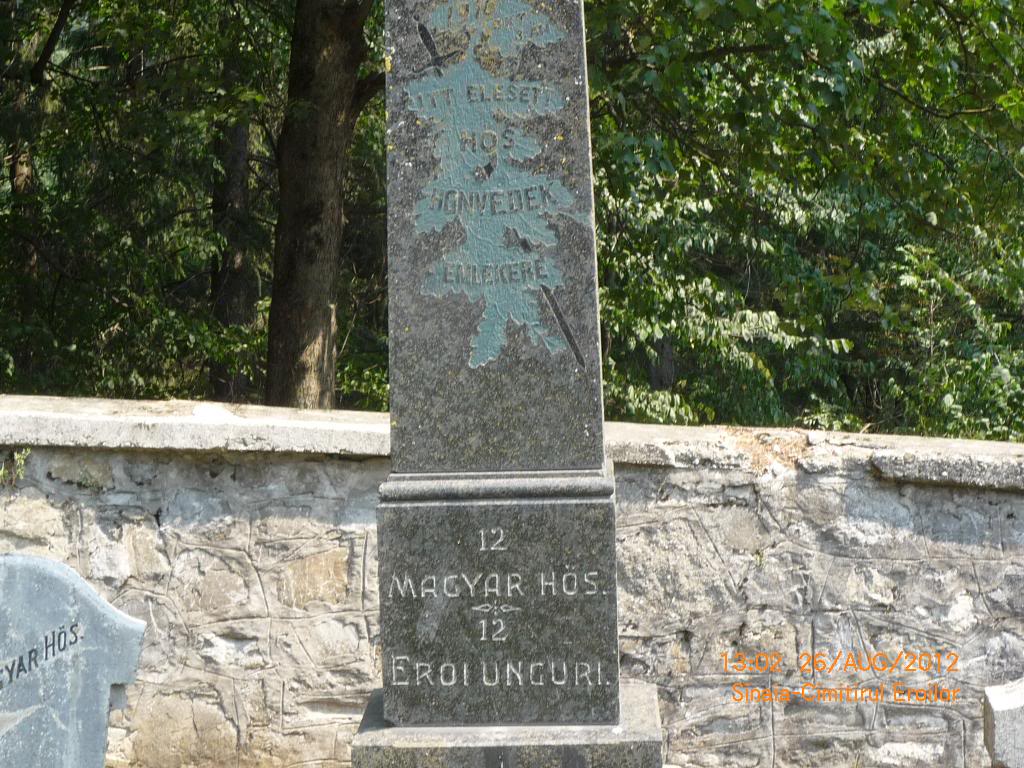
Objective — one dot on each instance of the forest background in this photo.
(809, 213)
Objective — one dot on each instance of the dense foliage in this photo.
(811, 212)
(808, 212)
(106, 257)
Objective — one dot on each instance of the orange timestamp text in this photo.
(846, 662)
(896, 693)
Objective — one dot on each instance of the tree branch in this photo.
(995, 150)
(725, 51)
(931, 110)
(39, 70)
(366, 89)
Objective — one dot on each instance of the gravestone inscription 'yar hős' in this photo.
(497, 525)
(62, 649)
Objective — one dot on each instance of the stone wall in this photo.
(245, 538)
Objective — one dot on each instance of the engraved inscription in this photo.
(456, 585)
(404, 671)
(497, 608)
(493, 630)
(490, 184)
(493, 540)
(53, 643)
(506, 597)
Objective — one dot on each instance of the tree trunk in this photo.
(662, 371)
(324, 101)
(20, 122)
(234, 283)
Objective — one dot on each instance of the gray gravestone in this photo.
(1004, 724)
(497, 529)
(62, 649)
(497, 526)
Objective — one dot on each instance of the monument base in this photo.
(634, 743)
(498, 610)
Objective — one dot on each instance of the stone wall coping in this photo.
(178, 425)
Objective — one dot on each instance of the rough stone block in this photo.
(634, 743)
(1004, 724)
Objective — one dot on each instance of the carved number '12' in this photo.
(493, 630)
(493, 540)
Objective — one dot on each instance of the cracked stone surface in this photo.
(256, 573)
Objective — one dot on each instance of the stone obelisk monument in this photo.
(497, 525)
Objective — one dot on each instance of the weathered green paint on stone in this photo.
(495, 361)
(484, 181)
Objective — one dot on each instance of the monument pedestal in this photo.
(634, 743)
(498, 600)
